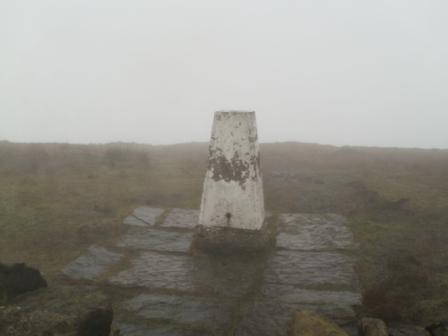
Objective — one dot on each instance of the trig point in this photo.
(233, 186)
(232, 216)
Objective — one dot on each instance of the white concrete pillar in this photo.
(233, 188)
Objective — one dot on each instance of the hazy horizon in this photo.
(153, 72)
(206, 142)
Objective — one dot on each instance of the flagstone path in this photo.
(159, 289)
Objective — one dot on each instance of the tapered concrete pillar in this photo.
(232, 211)
(233, 186)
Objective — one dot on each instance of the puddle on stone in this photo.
(158, 240)
(92, 264)
(182, 218)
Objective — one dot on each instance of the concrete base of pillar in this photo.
(229, 241)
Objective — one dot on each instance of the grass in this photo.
(57, 199)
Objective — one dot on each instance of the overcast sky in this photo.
(345, 72)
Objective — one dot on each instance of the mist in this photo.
(335, 72)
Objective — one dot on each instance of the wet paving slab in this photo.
(313, 232)
(202, 312)
(294, 294)
(144, 216)
(181, 218)
(157, 240)
(92, 264)
(167, 291)
(184, 273)
(310, 269)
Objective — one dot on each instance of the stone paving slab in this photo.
(134, 221)
(310, 218)
(292, 294)
(204, 275)
(176, 293)
(144, 216)
(182, 218)
(313, 232)
(91, 265)
(155, 270)
(157, 240)
(310, 269)
(188, 310)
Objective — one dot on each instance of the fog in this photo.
(344, 72)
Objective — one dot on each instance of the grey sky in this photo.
(340, 72)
